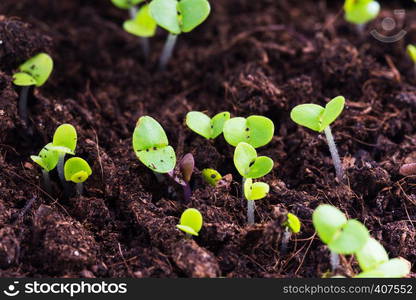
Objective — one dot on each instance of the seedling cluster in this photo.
(343, 236)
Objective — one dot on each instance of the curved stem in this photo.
(187, 192)
(47, 181)
(334, 153)
(60, 168)
(167, 51)
(334, 260)
(79, 188)
(23, 104)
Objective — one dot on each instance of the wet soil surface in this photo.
(249, 57)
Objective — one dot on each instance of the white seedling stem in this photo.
(285, 240)
(79, 188)
(143, 41)
(60, 168)
(23, 104)
(167, 50)
(334, 260)
(250, 205)
(334, 153)
(46, 181)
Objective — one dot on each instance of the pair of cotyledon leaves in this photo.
(64, 142)
(361, 11)
(254, 130)
(345, 236)
(316, 117)
(191, 221)
(172, 15)
(35, 71)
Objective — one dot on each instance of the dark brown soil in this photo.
(250, 57)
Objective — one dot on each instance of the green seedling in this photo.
(190, 222)
(34, 72)
(251, 166)
(47, 159)
(151, 146)
(342, 236)
(204, 125)
(77, 170)
(211, 176)
(319, 118)
(411, 51)
(140, 24)
(255, 130)
(374, 262)
(291, 225)
(64, 142)
(360, 12)
(177, 17)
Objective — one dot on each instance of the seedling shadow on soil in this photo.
(246, 58)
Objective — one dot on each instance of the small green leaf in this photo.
(411, 50)
(165, 13)
(255, 191)
(293, 223)
(361, 11)
(394, 268)
(65, 136)
(143, 24)
(47, 158)
(350, 238)
(150, 144)
(211, 176)
(23, 79)
(204, 125)
(327, 220)
(248, 164)
(77, 170)
(255, 130)
(332, 111)
(126, 4)
(190, 221)
(371, 255)
(193, 13)
(38, 67)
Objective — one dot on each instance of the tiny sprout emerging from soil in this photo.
(187, 165)
(291, 225)
(374, 262)
(360, 12)
(211, 176)
(177, 17)
(47, 159)
(255, 130)
(77, 170)
(151, 146)
(204, 125)
(318, 118)
(342, 236)
(251, 166)
(64, 142)
(190, 222)
(34, 72)
(411, 51)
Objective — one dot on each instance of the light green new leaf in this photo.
(47, 158)
(151, 146)
(293, 223)
(248, 164)
(255, 130)
(217, 123)
(165, 13)
(77, 170)
(350, 238)
(191, 221)
(126, 4)
(411, 50)
(23, 79)
(39, 67)
(371, 255)
(143, 25)
(65, 136)
(211, 176)
(255, 191)
(332, 111)
(327, 220)
(394, 268)
(361, 11)
(204, 125)
(193, 13)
